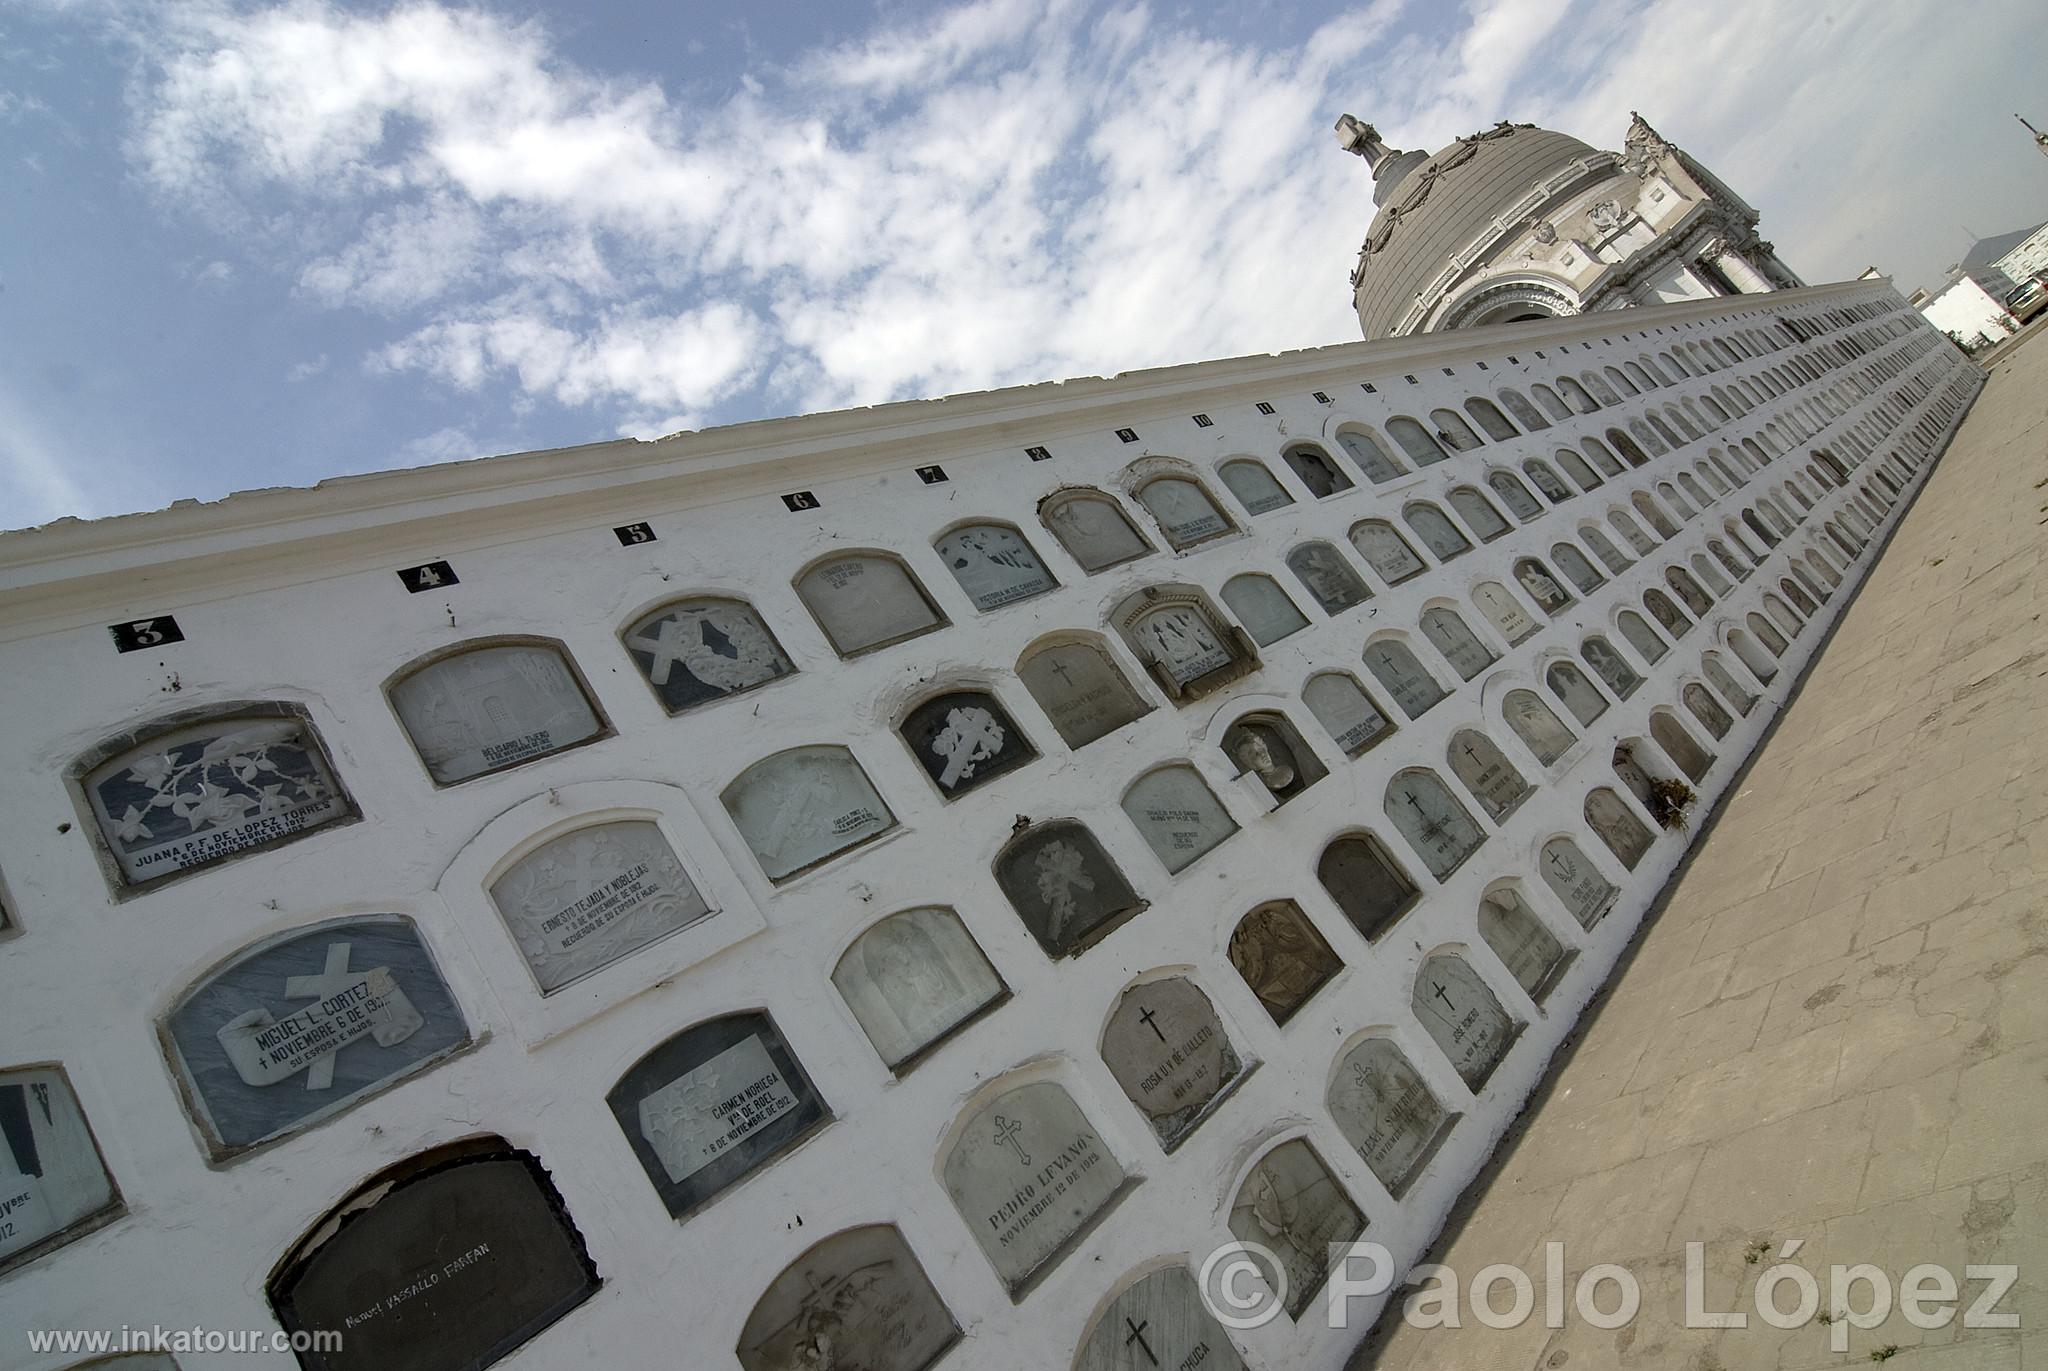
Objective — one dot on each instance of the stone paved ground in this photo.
(1837, 1030)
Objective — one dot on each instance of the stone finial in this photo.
(1361, 139)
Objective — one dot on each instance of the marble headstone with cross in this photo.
(1159, 1324)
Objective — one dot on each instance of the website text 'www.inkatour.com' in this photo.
(157, 1338)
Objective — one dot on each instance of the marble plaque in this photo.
(1028, 1173)
(1282, 957)
(698, 651)
(1322, 476)
(799, 807)
(1667, 614)
(1263, 608)
(914, 978)
(1577, 882)
(1266, 746)
(1631, 772)
(964, 739)
(455, 1265)
(1478, 513)
(1167, 1049)
(1537, 725)
(1448, 634)
(1436, 531)
(1293, 1207)
(1384, 1109)
(1530, 952)
(1433, 822)
(493, 707)
(1329, 578)
(1505, 612)
(297, 1029)
(588, 898)
(1184, 510)
(713, 1103)
(1395, 667)
(1177, 814)
(1632, 534)
(1549, 482)
(1372, 457)
(1487, 773)
(1255, 487)
(1688, 590)
(1081, 691)
(1580, 695)
(1612, 667)
(1539, 585)
(1158, 1323)
(205, 792)
(1724, 681)
(1064, 886)
(1179, 639)
(1576, 567)
(1515, 496)
(865, 601)
(1606, 551)
(1766, 630)
(859, 1300)
(1625, 835)
(1575, 467)
(1365, 883)
(1093, 529)
(1343, 708)
(53, 1184)
(1385, 551)
(1462, 1013)
(1678, 745)
(994, 565)
(1707, 710)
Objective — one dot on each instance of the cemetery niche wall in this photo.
(56, 1184)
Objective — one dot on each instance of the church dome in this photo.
(1434, 206)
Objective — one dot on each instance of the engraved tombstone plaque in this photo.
(1487, 773)
(55, 1185)
(799, 807)
(1532, 955)
(1395, 667)
(301, 1027)
(1612, 667)
(711, 1104)
(1064, 886)
(1535, 724)
(1161, 1322)
(865, 602)
(1505, 612)
(1462, 1013)
(1549, 482)
(1385, 551)
(1574, 564)
(1028, 1174)
(1343, 708)
(964, 739)
(1167, 1049)
(1631, 772)
(1263, 608)
(1329, 578)
(914, 978)
(493, 707)
(1707, 710)
(1292, 1206)
(453, 1265)
(1383, 1108)
(698, 651)
(1535, 579)
(1478, 512)
(1696, 600)
(994, 565)
(1448, 634)
(1624, 834)
(1577, 882)
(1515, 496)
(1094, 530)
(1282, 957)
(1580, 696)
(1365, 883)
(586, 899)
(1434, 823)
(859, 1300)
(1668, 615)
(1372, 458)
(207, 791)
(1081, 691)
(1177, 814)
(1179, 640)
(1184, 510)
(1252, 484)
(1437, 532)
(1724, 681)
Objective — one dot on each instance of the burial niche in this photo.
(1432, 821)
(1329, 578)
(1679, 746)
(1160, 1322)
(1282, 957)
(1266, 746)
(1542, 731)
(1383, 1108)
(1177, 814)
(799, 807)
(1183, 642)
(586, 899)
(1641, 636)
(1395, 667)
(994, 565)
(1667, 614)
(1185, 512)
(1536, 581)
(1461, 1012)
(1366, 884)
(487, 708)
(695, 651)
(1575, 565)
(1437, 532)
(1093, 529)
(1724, 680)
(1029, 1174)
(914, 979)
(207, 791)
(1448, 634)
(1688, 590)
(1487, 773)
(1385, 550)
(1080, 689)
(1263, 608)
(1478, 512)
(453, 1258)
(865, 601)
(1505, 612)
(1612, 667)
(1579, 695)
(1707, 710)
(1577, 882)
(1064, 886)
(1342, 707)
(1530, 952)
(1515, 496)
(859, 1299)
(1291, 1206)
(57, 1186)
(1371, 455)
(964, 739)
(1167, 1049)
(1254, 486)
(299, 1027)
(712, 1104)
(1322, 476)
(1626, 837)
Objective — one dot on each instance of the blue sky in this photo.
(248, 245)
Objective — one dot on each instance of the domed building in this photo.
(1519, 222)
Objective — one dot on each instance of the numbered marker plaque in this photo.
(139, 634)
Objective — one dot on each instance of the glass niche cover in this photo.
(697, 651)
(589, 897)
(994, 565)
(858, 1300)
(799, 807)
(913, 979)
(493, 707)
(56, 1186)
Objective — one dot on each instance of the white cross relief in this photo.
(971, 737)
(332, 980)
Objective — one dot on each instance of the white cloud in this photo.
(307, 370)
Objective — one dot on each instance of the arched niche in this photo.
(912, 980)
(1453, 431)
(1080, 688)
(1395, 667)
(1731, 688)
(1488, 416)
(1512, 493)
(1254, 486)
(1578, 884)
(1541, 586)
(1385, 550)
(1365, 883)
(1539, 728)
(865, 601)
(1177, 814)
(1365, 448)
(1668, 615)
(1546, 480)
(1184, 510)
(1577, 468)
(1448, 633)
(1505, 612)
(994, 564)
(1436, 531)
(1263, 607)
(1294, 1208)
(1701, 704)
(1579, 695)
(1182, 640)
(488, 706)
(1327, 576)
(704, 648)
(860, 1298)
(804, 806)
(1610, 556)
(964, 739)
(1479, 514)
(1171, 1054)
(1160, 1321)
(1093, 529)
(1353, 719)
(1678, 745)
(55, 1175)
(1420, 445)
(1282, 957)
(1065, 888)
(1616, 824)
(1577, 569)
(1265, 745)
(1461, 1013)
(1641, 636)
(1486, 772)
(1531, 953)
(1387, 1112)
(1688, 590)
(1422, 808)
(1317, 471)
